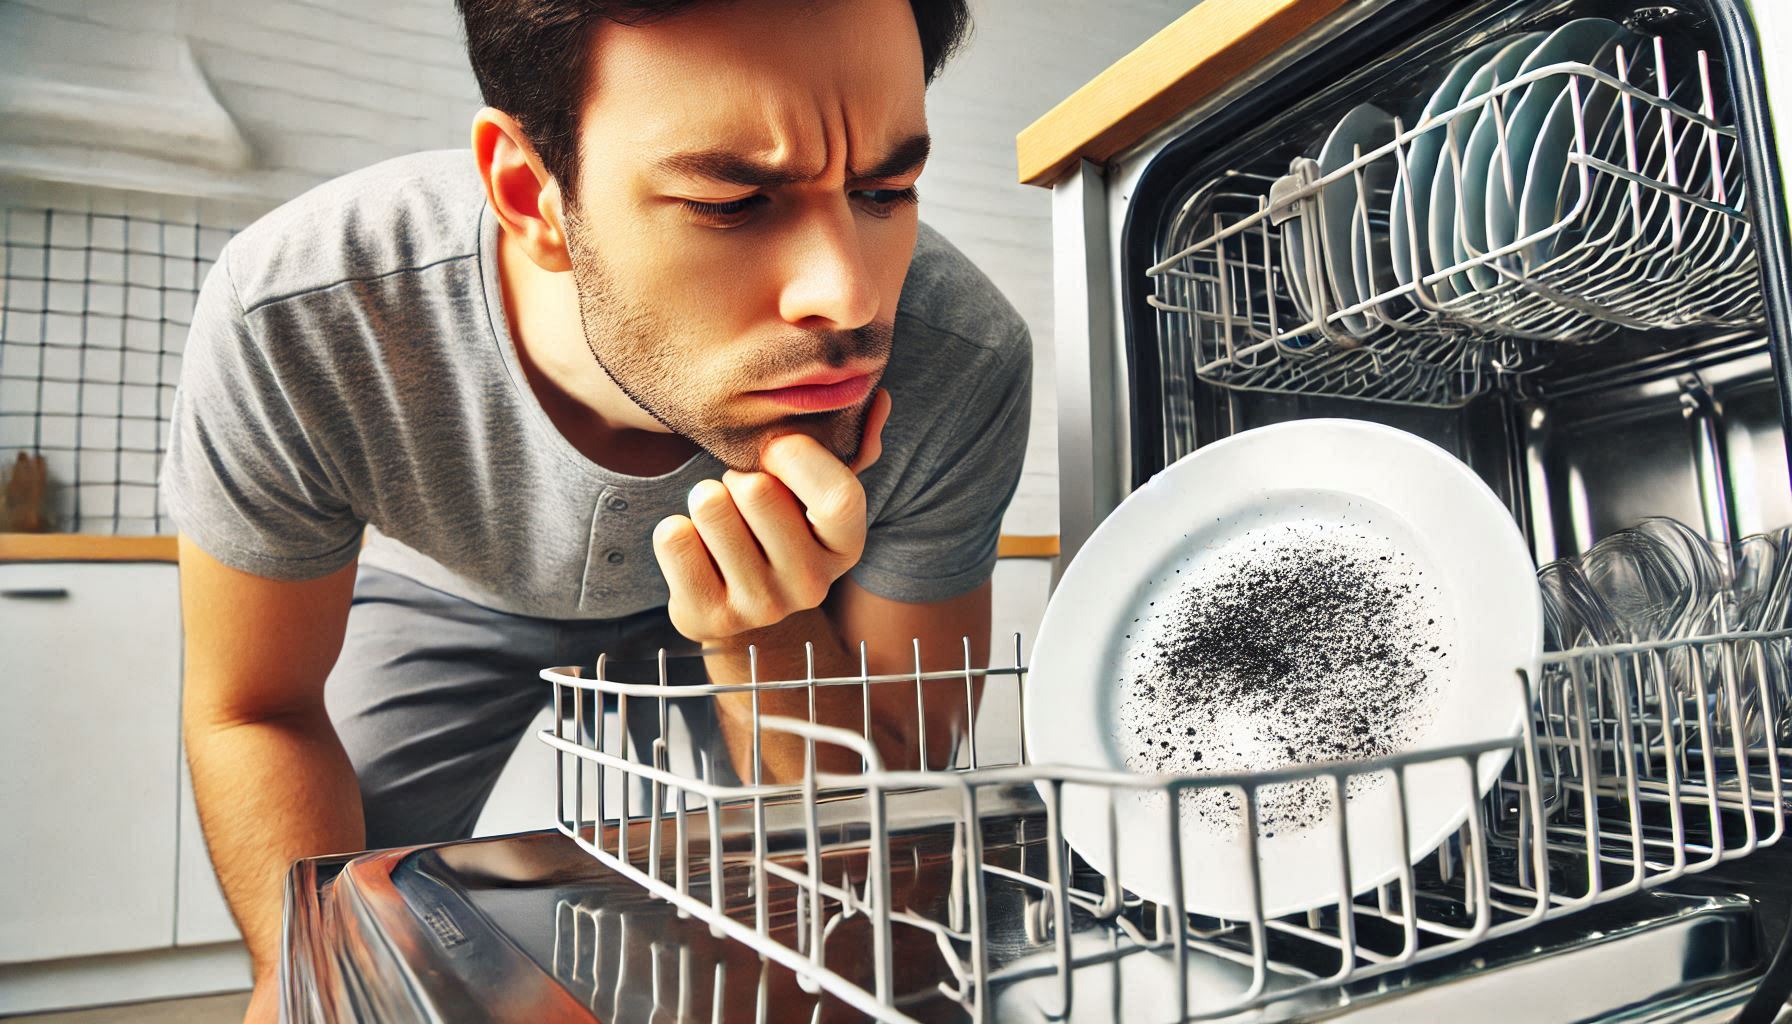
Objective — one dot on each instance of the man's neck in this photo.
(542, 311)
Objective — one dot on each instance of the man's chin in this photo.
(840, 432)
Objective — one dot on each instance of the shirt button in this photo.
(613, 557)
(618, 505)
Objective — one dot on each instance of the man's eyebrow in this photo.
(909, 154)
(733, 168)
(737, 169)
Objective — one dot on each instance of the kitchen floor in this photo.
(218, 1009)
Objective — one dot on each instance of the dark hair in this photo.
(531, 58)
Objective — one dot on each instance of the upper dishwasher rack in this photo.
(1649, 229)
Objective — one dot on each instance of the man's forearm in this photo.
(781, 655)
(270, 792)
(895, 719)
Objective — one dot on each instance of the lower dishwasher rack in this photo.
(951, 894)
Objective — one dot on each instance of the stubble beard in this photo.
(641, 354)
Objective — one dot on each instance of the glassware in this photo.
(1642, 585)
(1702, 572)
(1573, 615)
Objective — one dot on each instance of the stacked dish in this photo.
(1553, 186)
(1513, 204)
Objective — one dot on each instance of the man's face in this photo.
(745, 215)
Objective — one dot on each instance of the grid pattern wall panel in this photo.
(94, 311)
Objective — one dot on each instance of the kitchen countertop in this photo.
(1185, 63)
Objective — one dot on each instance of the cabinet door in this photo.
(202, 916)
(89, 737)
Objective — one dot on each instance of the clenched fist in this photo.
(759, 547)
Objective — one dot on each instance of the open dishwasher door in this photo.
(528, 928)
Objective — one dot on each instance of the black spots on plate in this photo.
(1294, 643)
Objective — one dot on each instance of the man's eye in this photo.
(884, 200)
(728, 211)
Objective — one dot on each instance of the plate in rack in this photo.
(1310, 593)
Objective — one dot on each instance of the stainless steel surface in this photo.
(1091, 439)
(1703, 445)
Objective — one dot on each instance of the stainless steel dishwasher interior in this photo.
(1581, 441)
(505, 915)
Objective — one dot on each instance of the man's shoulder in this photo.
(405, 213)
(947, 296)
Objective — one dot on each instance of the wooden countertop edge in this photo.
(1020, 545)
(88, 547)
(1178, 67)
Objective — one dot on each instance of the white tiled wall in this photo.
(94, 309)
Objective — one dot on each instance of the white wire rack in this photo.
(913, 895)
(1430, 290)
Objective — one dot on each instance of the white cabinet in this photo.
(201, 914)
(89, 744)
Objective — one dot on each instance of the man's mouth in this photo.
(821, 392)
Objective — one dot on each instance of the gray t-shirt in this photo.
(350, 366)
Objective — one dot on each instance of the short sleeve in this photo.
(936, 538)
(243, 477)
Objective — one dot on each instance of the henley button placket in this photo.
(617, 504)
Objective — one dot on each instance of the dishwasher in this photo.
(1618, 358)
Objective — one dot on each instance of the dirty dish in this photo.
(1300, 594)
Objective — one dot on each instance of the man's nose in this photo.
(828, 284)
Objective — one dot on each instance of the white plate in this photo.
(1446, 225)
(1583, 41)
(1370, 491)
(1481, 204)
(1421, 165)
(1552, 183)
(1363, 128)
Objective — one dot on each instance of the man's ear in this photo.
(525, 197)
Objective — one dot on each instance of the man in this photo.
(669, 355)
